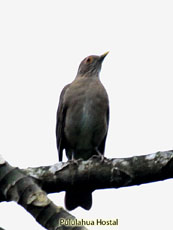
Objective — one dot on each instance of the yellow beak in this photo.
(103, 56)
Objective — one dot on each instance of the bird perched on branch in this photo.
(82, 122)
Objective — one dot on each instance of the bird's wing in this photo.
(101, 147)
(60, 119)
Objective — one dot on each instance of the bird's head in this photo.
(91, 65)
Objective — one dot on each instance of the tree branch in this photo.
(24, 186)
(16, 186)
(96, 173)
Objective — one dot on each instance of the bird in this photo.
(82, 122)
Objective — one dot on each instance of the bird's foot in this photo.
(74, 160)
(99, 155)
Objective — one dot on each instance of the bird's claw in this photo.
(99, 156)
(73, 161)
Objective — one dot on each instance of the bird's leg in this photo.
(99, 155)
(70, 156)
(74, 160)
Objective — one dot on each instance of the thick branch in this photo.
(102, 174)
(16, 186)
(95, 173)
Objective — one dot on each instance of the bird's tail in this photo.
(75, 198)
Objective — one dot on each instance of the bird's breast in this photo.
(86, 113)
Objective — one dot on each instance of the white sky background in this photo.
(41, 46)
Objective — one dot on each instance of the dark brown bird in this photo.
(82, 122)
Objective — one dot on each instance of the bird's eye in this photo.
(89, 60)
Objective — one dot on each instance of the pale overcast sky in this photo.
(41, 46)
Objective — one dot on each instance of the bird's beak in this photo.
(103, 56)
